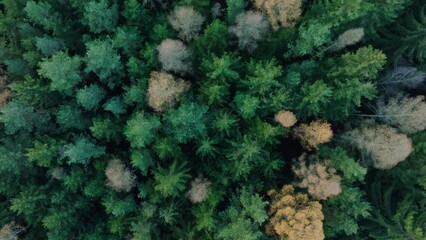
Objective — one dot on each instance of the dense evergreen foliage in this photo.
(198, 119)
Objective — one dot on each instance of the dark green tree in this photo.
(186, 122)
(141, 129)
(100, 16)
(81, 151)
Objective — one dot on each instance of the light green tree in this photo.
(82, 150)
(141, 129)
(170, 181)
(103, 59)
(63, 71)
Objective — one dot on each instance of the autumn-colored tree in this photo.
(319, 178)
(119, 177)
(164, 90)
(293, 216)
(287, 119)
(199, 190)
(174, 56)
(313, 134)
(381, 144)
(281, 13)
(187, 22)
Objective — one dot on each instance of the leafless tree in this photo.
(199, 190)
(406, 113)
(405, 77)
(186, 21)
(381, 145)
(174, 56)
(250, 28)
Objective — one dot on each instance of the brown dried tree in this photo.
(319, 178)
(281, 13)
(287, 119)
(348, 38)
(119, 177)
(164, 90)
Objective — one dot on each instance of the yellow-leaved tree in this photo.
(293, 216)
(281, 13)
(313, 134)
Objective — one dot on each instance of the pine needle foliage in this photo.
(409, 34)
(160, 119)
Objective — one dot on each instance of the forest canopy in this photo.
(212, 119)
